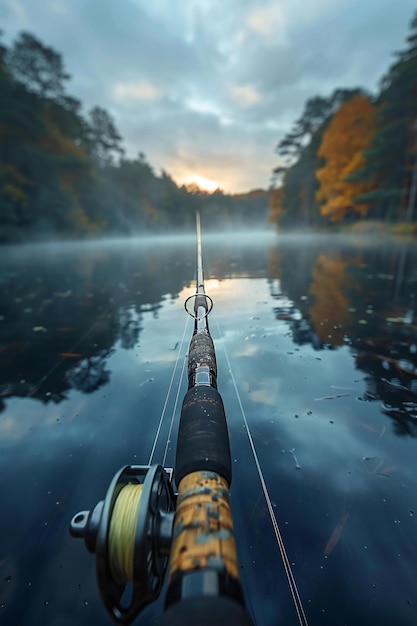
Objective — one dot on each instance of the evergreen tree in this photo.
(65, 175)
(37, 66)
(299, 155)
(103, 141)
(391, 158)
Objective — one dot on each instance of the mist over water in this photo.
(315, 334)
(243, 235)
(319, 336)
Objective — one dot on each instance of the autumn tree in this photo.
(299, 160)
(275, 205)
(346, 137)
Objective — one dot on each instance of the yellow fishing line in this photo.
(121, 542)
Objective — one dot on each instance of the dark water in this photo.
(317, 348)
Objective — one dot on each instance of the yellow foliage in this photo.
(76, 218)
(59, 144)
(15, 184)
(12, 172)
(329, 314)
(348, 134)
(14, 193)
(275, 204)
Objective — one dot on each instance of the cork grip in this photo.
(203, 528)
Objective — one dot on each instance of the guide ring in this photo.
(208, 310)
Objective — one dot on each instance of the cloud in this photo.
(267, 21)
(15, 12)
(244, 95)
(143, 91)
(209, 85)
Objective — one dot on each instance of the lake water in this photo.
(316, 343)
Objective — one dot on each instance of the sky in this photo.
(207, 88)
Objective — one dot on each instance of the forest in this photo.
(352, 156)
(64, 174)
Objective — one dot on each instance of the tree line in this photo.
(352, 155)
(64, 173)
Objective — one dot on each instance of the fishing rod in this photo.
(155, 521)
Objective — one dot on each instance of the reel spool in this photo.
(130, 532)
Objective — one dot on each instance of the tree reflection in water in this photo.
(361, 298)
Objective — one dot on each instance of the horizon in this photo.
(207, 92)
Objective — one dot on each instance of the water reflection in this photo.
(362, 298)
(322, 341)
(63, 310)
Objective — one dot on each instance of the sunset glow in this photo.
(211, 283)
(206, 184)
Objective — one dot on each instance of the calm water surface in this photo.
(316, 344)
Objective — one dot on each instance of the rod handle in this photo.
(203, 438)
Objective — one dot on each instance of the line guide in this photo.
(154, 523)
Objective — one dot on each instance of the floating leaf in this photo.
(340, 395)
(335, 536)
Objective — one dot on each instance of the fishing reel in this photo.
(130, 533)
